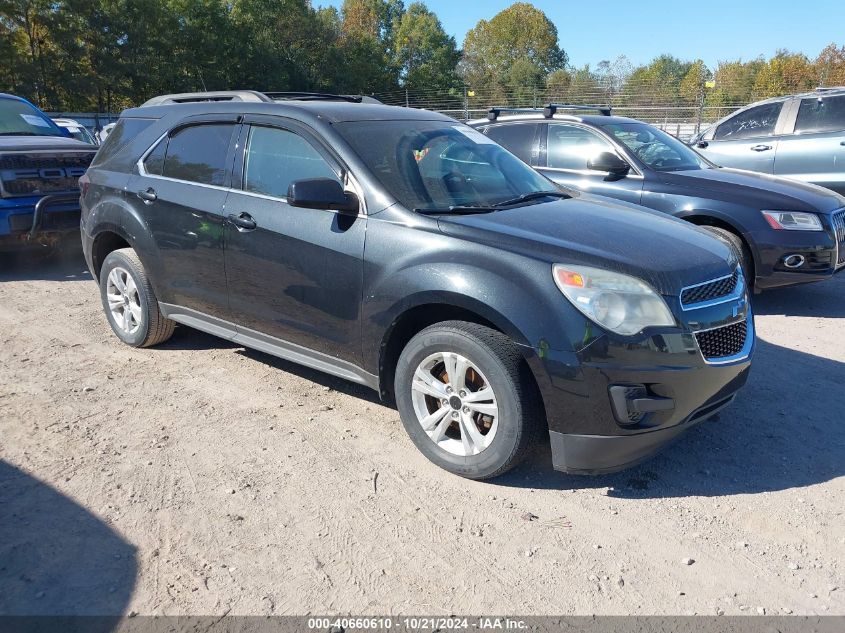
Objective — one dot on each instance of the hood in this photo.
(753, 189)
(38, 143)
(589, 230)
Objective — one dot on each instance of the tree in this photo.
(366, 43)
(830, 66)
(518, 45)
(658, 82)
(783, 74)
(427, 57)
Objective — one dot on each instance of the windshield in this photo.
(435, 165)
(18, 118)
(655, 148)
(80, 134)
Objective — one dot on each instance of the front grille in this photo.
(723, 341)
(839, 228)
(42, 173)
(710, 290)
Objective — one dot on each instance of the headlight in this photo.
(793, 221)
(617, 302)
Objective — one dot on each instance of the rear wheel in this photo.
(129, 301)
(466, 400)
(745, 258)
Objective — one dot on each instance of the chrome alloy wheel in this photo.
(124, 301)
(454, 403)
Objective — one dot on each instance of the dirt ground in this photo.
(202, 478)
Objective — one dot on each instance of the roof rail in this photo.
(199, 97)
(319, 96)
(547, 111)
(550, 110)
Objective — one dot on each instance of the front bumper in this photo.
(31, 223)
(671, 388)
(820, 251)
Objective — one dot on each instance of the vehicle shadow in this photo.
(57, 558)
(822, 299)
(62, 264)
(771, 438)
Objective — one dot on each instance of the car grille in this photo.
(839, 228)
(710, 290)
(722, 342)
(24, 174)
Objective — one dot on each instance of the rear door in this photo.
(747, 140)
(182, 184)
(568, 149)
(297, 275)
(522, 139)
(815, 150)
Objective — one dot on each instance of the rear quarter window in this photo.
(120, 137)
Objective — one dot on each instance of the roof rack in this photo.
(829, 88)
(548, 111)
(319, 96)
(199, 97)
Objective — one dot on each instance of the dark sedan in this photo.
(788, 232)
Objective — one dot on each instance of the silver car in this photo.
(799, 136)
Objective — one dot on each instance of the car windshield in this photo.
(18, 118)
(436, 165)
(655, 148)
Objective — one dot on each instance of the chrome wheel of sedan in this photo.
(454, 403)
(124, 301)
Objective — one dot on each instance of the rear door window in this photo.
(518, 138)
(752, 123)
(196, 153)
(571, 147)
(121, 135)
(821, 115)
(276, 157)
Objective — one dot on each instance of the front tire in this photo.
(129, 301)
(466, 399)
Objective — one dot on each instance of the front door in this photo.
(568, 150)
(747, 140)
(180, 191)
(293, 274)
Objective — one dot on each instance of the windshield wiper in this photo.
(534, 195)
(457, 209)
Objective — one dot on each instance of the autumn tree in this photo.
(427, 57)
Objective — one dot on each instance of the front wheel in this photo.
(745, 258)
(466, 399)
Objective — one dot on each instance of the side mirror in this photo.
(321, 193)
(610, 162)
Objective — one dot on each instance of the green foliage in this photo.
(517, 48)
(425, 54)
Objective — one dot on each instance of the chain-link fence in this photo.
(681, 110)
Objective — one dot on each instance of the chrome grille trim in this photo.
(733, 295)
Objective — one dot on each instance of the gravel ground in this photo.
(203, 478)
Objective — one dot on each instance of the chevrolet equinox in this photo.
(402, 250)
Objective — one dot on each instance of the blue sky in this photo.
(713, 30)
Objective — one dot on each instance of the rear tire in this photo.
(481, 421)
(745, 258)
(129, 301)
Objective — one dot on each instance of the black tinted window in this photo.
(275, 158)
(821, 115)
(198, 153)
(154, 162)
(518, 139)
(123, 132)
(571, 147)
(758, 121)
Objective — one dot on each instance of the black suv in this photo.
(787, 232)
(405, 251)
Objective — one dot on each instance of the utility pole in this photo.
(466, 105)
(700, 101)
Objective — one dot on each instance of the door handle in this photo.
(148, 195)
(761, 148)
(243, 221)
(842, 142)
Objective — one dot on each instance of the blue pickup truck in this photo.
(40, 166)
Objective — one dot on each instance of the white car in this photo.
(104, 133)
(77, 130)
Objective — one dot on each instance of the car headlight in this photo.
(793, 221)
(617, 302)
